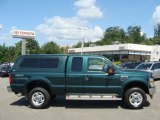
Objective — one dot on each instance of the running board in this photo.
(92, 97)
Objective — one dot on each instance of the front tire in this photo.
(135, 98)
(39, 98)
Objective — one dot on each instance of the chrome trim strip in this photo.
(92, 97)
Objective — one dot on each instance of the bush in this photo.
(117, 62)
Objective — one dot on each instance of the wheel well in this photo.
(34, 84)
(136, 84)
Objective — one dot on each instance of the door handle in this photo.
(86, 78)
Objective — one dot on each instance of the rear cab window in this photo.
(77, 64)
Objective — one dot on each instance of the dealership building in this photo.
(122, 52)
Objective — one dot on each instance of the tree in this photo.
(4, 54)
(112, 35)
(7, 53)
(11, 53)
(51, 48)
(79, 44)
(31, 45)
(157, 30)
(157, 34)
(134, 35)
(149, 41)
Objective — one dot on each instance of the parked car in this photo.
(153, 67)
(129, 65)
(4, 70)
(78, 77)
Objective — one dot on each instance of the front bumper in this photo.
(152, 90)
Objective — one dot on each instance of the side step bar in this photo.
(92, 97)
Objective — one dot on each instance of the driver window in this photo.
(95, 64)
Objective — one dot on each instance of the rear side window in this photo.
(77, 64)
(49, 63)
(40, 63)
(29, 63)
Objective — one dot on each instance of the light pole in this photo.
(28, 52)
(82, 29)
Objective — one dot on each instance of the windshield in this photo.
(144, 66)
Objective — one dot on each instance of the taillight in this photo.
(10, 78)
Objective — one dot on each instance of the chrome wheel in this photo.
(38, 98)
(135, 99)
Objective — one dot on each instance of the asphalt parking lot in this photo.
(16, 108)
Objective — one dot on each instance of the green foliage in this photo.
(117, 63)
(115, 35)
(6, 53)
(79, 44)
(149, 41)
(157, 30)
(157, 34)
(112, 35)
(51, 48)
(31, 45)
(134, 34)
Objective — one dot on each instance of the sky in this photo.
(59, 20)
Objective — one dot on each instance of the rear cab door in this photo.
(75, 75)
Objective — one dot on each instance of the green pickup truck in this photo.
(78, 77)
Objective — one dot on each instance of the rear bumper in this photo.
(4, 74)
(16, 88)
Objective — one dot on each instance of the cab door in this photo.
(75, 75)
(98, 82)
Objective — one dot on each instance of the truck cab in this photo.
(78, 77)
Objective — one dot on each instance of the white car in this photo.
(153, 67)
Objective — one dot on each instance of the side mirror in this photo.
(108, 69)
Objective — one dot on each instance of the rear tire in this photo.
(39, 98)
(134, 98)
